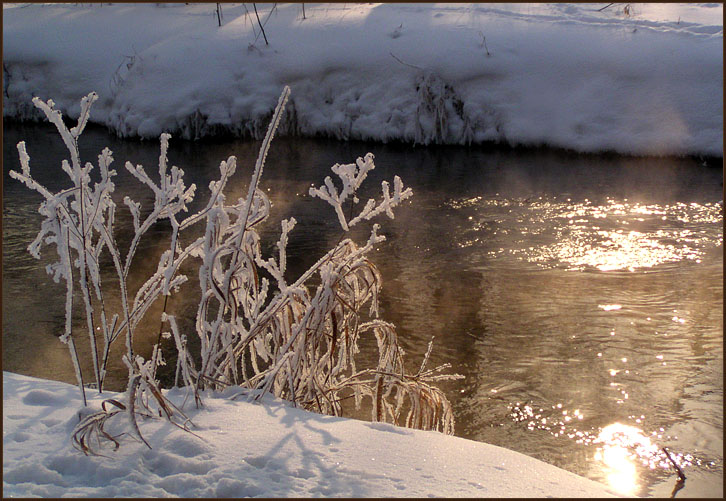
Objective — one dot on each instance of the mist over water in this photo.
(580, 295)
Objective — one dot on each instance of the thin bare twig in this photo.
(260, 23)
(681, 475)
(484, 43)
(405, 64)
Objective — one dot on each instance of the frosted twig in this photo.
(352, 176)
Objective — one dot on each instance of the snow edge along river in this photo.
(562, 75)
(245, 449)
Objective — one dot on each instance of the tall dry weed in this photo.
(294, 339)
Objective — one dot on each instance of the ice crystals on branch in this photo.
(352, 176)
(77, 219)
(79, 222)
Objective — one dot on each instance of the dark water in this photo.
(581, 296)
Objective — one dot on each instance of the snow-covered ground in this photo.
(645, 81)
(267, 449)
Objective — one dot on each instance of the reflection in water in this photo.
(614, 235)
(581, 296)
(618, 446)
(624, 455)
(605, 316)
(621, 447)
(622, 475)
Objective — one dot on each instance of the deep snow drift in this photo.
(247, 449)
(645, 81)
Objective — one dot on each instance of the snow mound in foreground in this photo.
(646, 82)
(267, 449)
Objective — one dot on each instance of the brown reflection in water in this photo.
(622, 334)
(33, 322)
(485, 259)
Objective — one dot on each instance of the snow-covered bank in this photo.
(256, 450)
(649, 81)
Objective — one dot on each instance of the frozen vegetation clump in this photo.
(257, 330)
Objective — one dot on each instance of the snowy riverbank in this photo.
(251, 450)
(645, 81)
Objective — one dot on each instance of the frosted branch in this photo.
(352, 176)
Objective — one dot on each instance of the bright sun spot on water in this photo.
(609, 307)
(621, 451)
(620, 446)
(621, 472)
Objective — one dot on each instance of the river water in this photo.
(581, 296)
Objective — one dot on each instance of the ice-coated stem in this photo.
(68, 335)
(234, 262)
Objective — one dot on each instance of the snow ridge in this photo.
(245, 449)
(645, 81)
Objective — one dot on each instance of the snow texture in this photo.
(245, 449)
(648, 80)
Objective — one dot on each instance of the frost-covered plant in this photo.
(79, 223)
(296, 340)
(439, 111)
(300, 342)
(78, 220)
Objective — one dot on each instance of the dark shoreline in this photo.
(710, 161)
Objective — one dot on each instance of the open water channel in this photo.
(581, 296)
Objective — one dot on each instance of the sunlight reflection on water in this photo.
(614, 235)
(619, 446)
(613, 238)
(621, 450)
